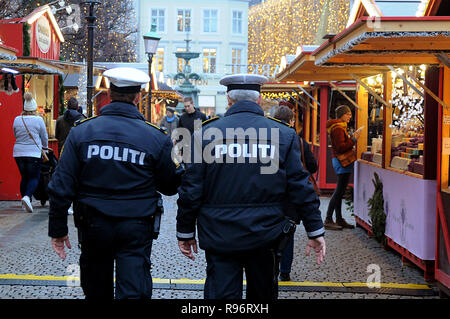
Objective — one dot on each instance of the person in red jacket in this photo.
(341, 142)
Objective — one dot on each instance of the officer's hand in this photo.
(185, 248)
(318, 244)
(58, 246)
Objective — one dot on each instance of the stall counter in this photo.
(409, 204)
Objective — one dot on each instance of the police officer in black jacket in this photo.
(249, 165)
(112, 167)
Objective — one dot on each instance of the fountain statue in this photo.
(187, 88)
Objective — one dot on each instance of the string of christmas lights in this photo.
(115, 33)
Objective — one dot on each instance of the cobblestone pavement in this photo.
(25, 249)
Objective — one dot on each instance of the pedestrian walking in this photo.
(342, 146)
(191, 114)
(31, 138)
(170, 122)
(285, 114)
(65, 122)
(235, 197)
(112, 168)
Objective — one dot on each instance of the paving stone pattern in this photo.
(25, 249)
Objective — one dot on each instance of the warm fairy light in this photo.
(407, 104)
(114, 42)
(277, 27)
(277, 95)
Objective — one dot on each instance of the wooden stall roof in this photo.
(31, 65)
(388, 41)
(40, 11)
(7, 53)
(377, 9)
(75, 67)
(282, 86)
(304, 68)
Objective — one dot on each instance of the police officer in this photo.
(236, 195)
(112, 167)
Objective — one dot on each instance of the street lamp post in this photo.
(151, 41)
(90, 55)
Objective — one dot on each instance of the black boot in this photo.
(284, 276)
(341, 222)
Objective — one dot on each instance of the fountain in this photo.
(187, 88)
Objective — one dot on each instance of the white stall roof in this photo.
(398, 8)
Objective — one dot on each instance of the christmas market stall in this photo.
(75, 85)
(34, 67)
(319, 99)
(408, 108)
(162, 96)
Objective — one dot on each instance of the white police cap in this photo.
(126, 80)
(243, 82)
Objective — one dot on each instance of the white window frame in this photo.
(184, 19)
(156, 57)
(209, 59)
(233, 21)
(157, 19)
(233, 65)
(203, 21)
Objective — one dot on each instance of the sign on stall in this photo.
(43, 34)
(446, 146)
(446, 119)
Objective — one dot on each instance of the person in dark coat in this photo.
(65, 122)
(234, 196)
(187, 120)
(113, 168)
(285, 114)
(170, 122)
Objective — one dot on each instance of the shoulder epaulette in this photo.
(157, 127)
(80, 121)
(210, 120)
(277, 120)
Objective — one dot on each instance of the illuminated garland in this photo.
(278, 27)
(277, 95)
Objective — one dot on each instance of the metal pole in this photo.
(90, 55)
(148, 112)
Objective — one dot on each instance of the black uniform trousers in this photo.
(224, 275)
(125, 241)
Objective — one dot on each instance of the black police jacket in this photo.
(115, 163)
(235, 205)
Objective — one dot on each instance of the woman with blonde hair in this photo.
(31, 137)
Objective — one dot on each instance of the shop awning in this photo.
(32, 65)
(29, 65)
(275, 87)
(7, 53)
(388, 41)
(304, 68)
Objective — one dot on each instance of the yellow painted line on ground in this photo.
(387, 285)
(202, 282)
(187, 281)
(161, 281)
(35, 277)
(310, 284)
